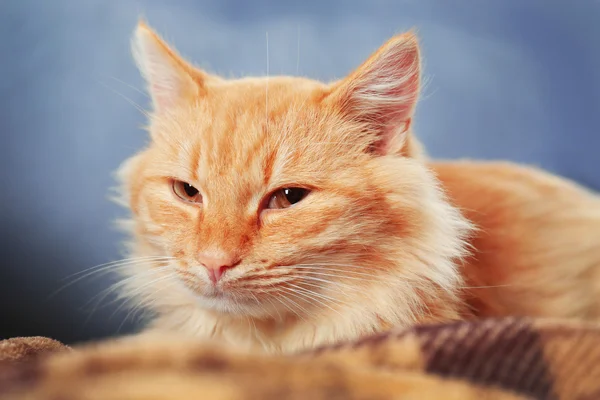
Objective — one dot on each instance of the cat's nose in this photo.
(216, 265)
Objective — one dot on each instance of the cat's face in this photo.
(282, 195)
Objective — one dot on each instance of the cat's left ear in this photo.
(171, 80)
(382, 93)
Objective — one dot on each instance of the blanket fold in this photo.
(510, 358)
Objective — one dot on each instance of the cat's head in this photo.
(284, 195)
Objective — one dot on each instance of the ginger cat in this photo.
(282, 213)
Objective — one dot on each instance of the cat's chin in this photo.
(219, 301)
(232, 306)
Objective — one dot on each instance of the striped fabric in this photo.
(485, 359)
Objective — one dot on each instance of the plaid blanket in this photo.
(486, 359)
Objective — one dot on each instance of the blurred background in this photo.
(510, 79)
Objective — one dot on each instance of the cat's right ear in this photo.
(382, 93)
(170, 79)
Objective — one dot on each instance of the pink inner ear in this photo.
(387, 137)
(169, 77)
(383, 92)
(163, 96)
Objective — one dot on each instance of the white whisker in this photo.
(288, 307)
(289, 291)
(486, 287)
(336, 265)
(321, 296)
(127, 263)
(326, 269)
(108, 264)
(274, 307)
(122, 283)
(298, 53)
(130, 86)
(127, 99)
(309, 295)
(315, 285)
(139, 290)
(354, 278)
(330, 282)
(267, 88)
(142, 304)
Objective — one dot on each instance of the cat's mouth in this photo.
(216, 293)
(261, 294)
(211, 292)
(227, 302)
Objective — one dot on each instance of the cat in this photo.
(282, 213)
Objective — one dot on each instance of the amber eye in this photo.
(186, 192)
(284, 198)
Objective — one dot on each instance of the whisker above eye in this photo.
(130, 86)
(127, 99)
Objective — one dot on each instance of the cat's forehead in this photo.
(257, 129)
(288, 86)
(255, 99)
(250, 113)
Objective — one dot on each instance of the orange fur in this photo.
(537, 250)
(376, 243)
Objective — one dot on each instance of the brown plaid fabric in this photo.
(485, 359)
(20, 349)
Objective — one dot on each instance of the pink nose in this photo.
(216, 266)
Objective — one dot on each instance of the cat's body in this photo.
(537, 249)
(284, 213)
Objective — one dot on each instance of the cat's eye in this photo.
(187, 192)
(286, 197)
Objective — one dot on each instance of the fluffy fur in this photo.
(376, 243)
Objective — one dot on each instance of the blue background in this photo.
(511, 79)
